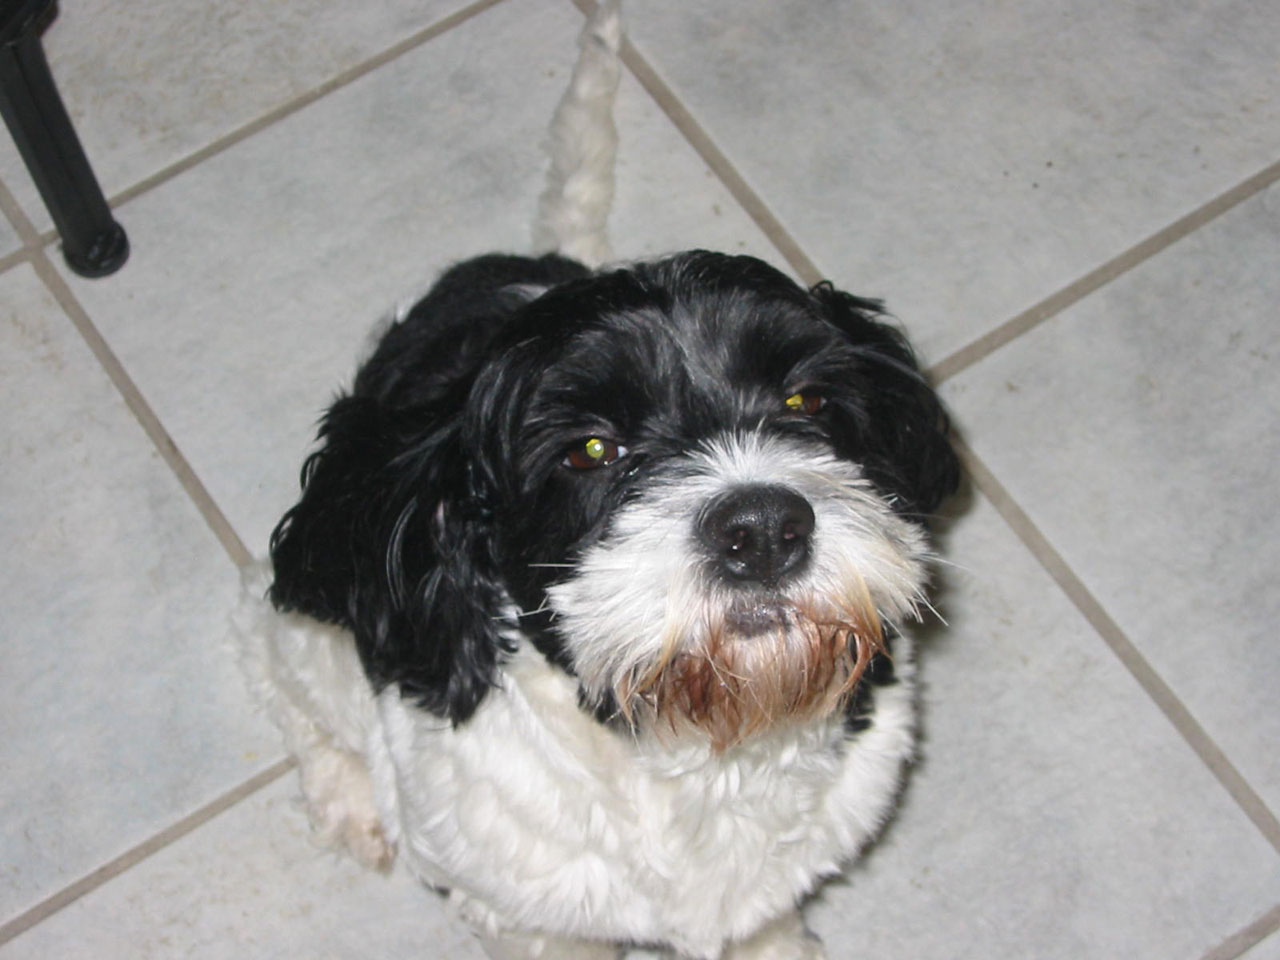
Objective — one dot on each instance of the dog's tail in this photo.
(583, 143)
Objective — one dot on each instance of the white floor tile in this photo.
(1054, 813)
(121, 709)
(150, 82)
(250, 883)
(1141, 431)
(966, 160)
(256, 278)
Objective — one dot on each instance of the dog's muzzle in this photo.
(744, 592)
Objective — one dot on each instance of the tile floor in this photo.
(1073, 207)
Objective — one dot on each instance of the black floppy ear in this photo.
(390, 542)
(902, 428)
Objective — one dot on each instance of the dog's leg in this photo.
(308, 677)
(786, 938)
(547, 948)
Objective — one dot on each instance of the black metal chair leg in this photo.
(92, 242)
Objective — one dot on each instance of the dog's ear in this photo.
(390, 541)
(901, 426)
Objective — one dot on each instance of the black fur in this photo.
(439, 492)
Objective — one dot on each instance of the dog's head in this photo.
(698, 487)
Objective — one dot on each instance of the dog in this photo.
(591, 607)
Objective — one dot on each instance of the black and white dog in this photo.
(589, 608)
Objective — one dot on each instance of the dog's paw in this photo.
(365, 840)
(340, 806)
(356, 829)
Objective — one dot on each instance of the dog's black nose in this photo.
(757, 534)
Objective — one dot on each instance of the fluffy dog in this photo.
(590, 606)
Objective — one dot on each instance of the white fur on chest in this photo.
(539, 818)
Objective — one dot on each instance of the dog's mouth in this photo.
(753, 618)
(759, 664)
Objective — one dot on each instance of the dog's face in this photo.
(696, 467)
(701, 486)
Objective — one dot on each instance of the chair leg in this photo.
(92, 242)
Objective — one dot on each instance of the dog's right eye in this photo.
(807, 403)
(594, 452)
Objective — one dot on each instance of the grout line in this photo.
(1254, 807)
(1051, 306)
(1246, 939)
(336, 82)
(11, 260)
(152, 845)
(14, 213)
(714, 157)
(30, 238)
(143, 412)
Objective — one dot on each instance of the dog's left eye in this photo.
(807, 403)
(594, 452)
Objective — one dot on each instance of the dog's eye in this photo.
(806, 403)
(594, 452)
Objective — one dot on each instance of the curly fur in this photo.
(536, 681)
